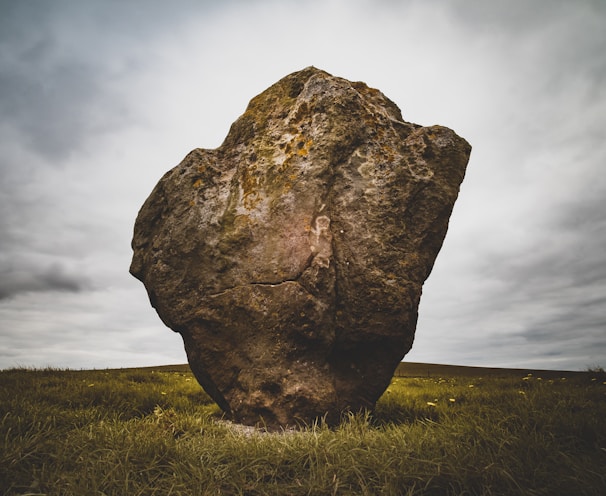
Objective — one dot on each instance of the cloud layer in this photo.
(99, 99)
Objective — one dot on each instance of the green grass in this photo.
(155, 432)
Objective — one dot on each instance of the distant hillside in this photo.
(415, 369)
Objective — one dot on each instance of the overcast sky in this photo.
(99, 98)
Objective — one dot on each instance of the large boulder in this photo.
(291, 259)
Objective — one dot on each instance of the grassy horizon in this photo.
(153, 431)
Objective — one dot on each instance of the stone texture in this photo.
(291, 259)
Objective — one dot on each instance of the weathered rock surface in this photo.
(291, 259)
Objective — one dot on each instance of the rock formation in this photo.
(291, 259)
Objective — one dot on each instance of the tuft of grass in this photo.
(155, 432)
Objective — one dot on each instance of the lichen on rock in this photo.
(291, 259)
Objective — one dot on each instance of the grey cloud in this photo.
(552, 294)
(581, 346)
(518, 16)
(569, 36)
(51, 100)
(585, 214)
(59, 60)
(70, 70)
(54, 277)
(52, 108)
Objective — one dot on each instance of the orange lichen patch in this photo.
(251, 199)
(288, 150)
(388, 153)
(250, 179)
(251, 189)
(362, 88)
(197, 183)
(241, 221)
(303, 147)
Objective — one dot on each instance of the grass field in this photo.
(437, 430)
